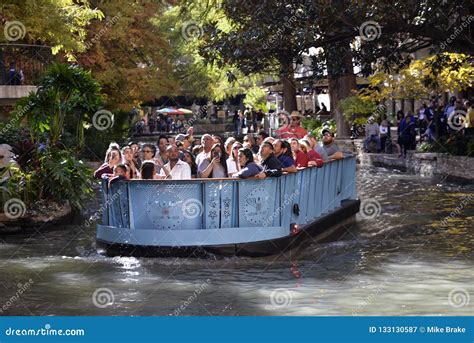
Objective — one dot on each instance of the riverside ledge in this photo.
(454, 168)
(428, 164)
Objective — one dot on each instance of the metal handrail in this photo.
(295, 198)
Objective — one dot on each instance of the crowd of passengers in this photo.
(182, 157)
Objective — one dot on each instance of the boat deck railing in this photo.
(294, 198)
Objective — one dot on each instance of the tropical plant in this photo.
(58, 177)
(63, 177)
(66, 98)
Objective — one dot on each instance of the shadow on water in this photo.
(404, 260)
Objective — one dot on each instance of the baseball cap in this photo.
(327, 130)
(181, 137)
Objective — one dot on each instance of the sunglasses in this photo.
(295, 119)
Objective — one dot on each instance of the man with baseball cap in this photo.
(332, 150)
(184, 140)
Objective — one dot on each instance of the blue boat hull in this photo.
(227, 216)
(326, 228)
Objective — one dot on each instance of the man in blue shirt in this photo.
(282, 150)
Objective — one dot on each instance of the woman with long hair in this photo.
(215, 165)
(147, 171)
(113, 157)
(129, 161)
(232, 162)
(249, 167)
(189, 159)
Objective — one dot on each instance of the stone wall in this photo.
(456, 168)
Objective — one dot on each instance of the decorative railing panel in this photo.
(297, 198)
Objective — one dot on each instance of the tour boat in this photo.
(251, 217)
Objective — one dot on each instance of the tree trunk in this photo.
(341, 82)
(289, 92)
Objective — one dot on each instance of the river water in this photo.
(401, 259)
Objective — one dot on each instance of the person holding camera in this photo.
(215, 166)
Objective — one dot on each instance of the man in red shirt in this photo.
(293, 129)
(301, 159)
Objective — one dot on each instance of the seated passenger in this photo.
(269, 139)
(301, 159)
(112, 158)
(282, 151)
(292, 129)
(271, 165)
(249, 142)
(215, 165)
(189, 159)
(147, 171)
(206, 143)
(120, 173)
(313, 143)
(333, 151)
(175, 169)
(233, 165)
(184, 141)
(197, 149)
(149, 152)
(129, 161)
(228, 145)
(249, 167)
(136, 154)
(313, 157)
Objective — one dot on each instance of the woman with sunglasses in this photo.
(232, 162)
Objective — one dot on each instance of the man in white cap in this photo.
(184, 140)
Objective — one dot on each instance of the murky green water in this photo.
(402, 262)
